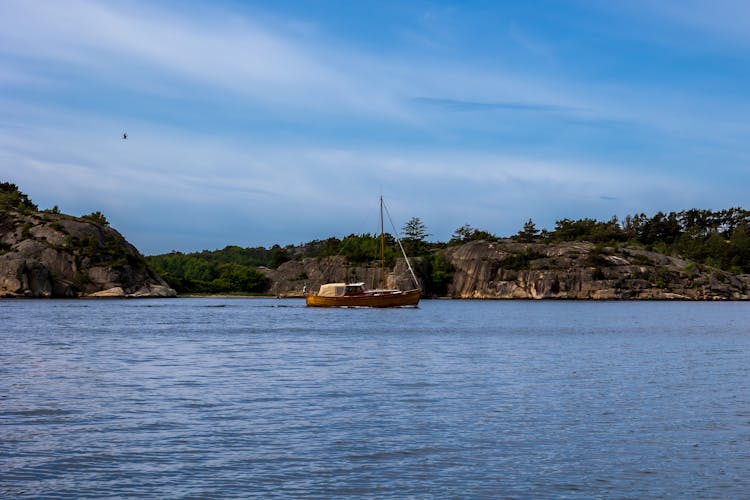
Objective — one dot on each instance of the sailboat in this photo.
(357, 295)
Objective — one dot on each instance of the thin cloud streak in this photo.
(461, 105)
(724, 20)
(137, 44)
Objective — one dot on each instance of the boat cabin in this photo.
(341, 289)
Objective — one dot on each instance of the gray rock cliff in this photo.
(510, 270)
(45, 254)
(291, 277)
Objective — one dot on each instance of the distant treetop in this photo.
(12, 198)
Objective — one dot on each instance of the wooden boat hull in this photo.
(385, 299)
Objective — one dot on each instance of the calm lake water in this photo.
(262, 397)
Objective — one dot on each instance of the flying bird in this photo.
(124, 136)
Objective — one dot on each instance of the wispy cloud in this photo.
(726, 20)
(144, 45)
(462, 105)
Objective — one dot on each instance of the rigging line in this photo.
(344, 242)
(395, 235)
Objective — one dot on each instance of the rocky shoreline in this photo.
(512, 270)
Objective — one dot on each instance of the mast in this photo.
(398, 240)
(382, 247)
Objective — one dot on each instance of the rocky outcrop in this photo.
(510, 270)
(293, 277)
(45, 254)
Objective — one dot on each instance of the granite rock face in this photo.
(577, 270)
(44, 254)
(510, 270)
(292, 277)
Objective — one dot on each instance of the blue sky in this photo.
(254, 123)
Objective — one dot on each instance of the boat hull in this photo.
(386, 299)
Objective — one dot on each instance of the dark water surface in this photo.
(262, 397)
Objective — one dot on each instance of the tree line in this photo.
(230, 270)
(716, 238)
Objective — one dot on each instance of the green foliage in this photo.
(278, 256)
(238, 278)
(107, 248)
(595, 258)
(87, 246)
(588, 230)
(97, 217)
(320, 248)
(717, 238)
(365, 248)
(415, 233)
(26, 230)
(415, 230)
(522, 260)
(738, 252)
(736, 270)
(468, 233)
(529, 233)
(80, 281)
(11, 198)
(659, 228)
(641, 260)
(440, 274)
(362, 248)
(664, 277)
(190, 266)
(231, 270)
(414, 248)
(204, 266)
(119, 263)
(232, 278)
